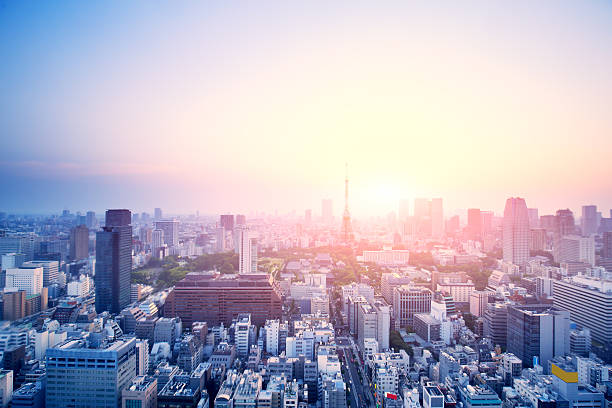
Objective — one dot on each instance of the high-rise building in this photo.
(537, 331)
(220, 239)
(589, 222)
(12, 260)
(90, 220)
(437, 218)
(422, 207)
(157, 214)
(114, 262)
(13, 305)
(495, 325)
(6, 387)
(516, 232)
(79, 243)
(240, 220)
(29, 280)
(327, 213)
(170, 228)
(157, 241)
(50, 270)
(564, 225)
(538, 239)
(534, 218)
(81, 375)
(227, 221)
(474, 224)
(247, 251)
(589, 301)
(576, 248)
(478, 302)
(606, 249)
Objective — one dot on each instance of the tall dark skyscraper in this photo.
(79, 242)
(114, 262)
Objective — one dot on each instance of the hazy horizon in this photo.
(234, 108)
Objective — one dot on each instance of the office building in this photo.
(516, 232)
(589, 222)
(534, 218)
(537, 331)
(478, 302)
(495, 325)
(114, 262)
(6, 387)
(387, 256)
(247, 251)
(170, 228)
(538, 239)
(563, 225)
(79, 243)
(404, 210)
(50, 270)
(575, 248)
(140, 393)
(13, 305)
(12, 260)
(474, 224)
(408, 301)
(157, 214)
(29, 280)
(589, 301)
(29, 395)
(226, 221)
(90, 220)
(216, 298)
(81, 375)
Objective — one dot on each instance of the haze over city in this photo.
(256, 107)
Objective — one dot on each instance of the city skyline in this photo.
(196, 106)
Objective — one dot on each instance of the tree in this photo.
(396, 342)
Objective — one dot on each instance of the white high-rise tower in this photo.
(247, 251)
(516, 231)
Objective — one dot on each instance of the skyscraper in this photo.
(516, 232)
(589, 220)
(170, 228)
(437, 218)
(227, 221)
(79, 243)
(534, 218)
(157, 213)
(91, 220)
(247, 251)
(474, 224)
(114, 262)
(327, 213)
(404, 210)
(564, 225)
(240, 219)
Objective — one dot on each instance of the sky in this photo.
(257, 106)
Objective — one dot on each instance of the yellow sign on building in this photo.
(566, 376)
